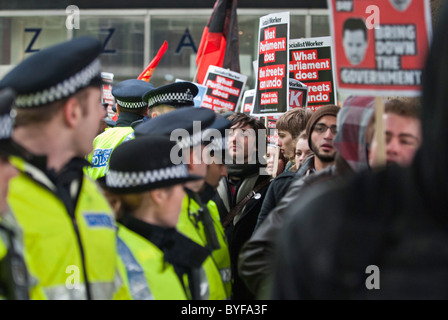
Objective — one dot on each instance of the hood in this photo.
(352, 122)
(431, 161)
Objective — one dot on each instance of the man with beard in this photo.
(320, 131)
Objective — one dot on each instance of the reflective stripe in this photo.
(226, 274)
(204, 285)
(138, 286)
(100, 291)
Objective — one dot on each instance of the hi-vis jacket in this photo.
(14, 277)
(146, 274)
(103, 145)
(71, 253)
(217, 265)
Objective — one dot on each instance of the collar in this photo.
(125, 119)
(177, 249)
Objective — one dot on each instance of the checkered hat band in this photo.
(131, 105)
(6, 123)
(62, 89)
(193, 141)
(168, 97)
(119, 179)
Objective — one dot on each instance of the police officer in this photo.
(130, 108)
(197, 221)
(68, 225)
(14, 279)
(168, 98)
(156, 261)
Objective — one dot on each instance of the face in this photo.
(88, 128)
(403, 138)
(400, 4)
(215, 172)
(241, 144)
(196, 166)
(7, 171)
(286, 143)
(302, 150)
(322, 142)
(355, 45)
(270, 161)
(168, 215)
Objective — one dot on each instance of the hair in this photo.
(302, 135)
(405, 107)
(241, 120)
(140, 111)
(353, 24)
(400, 106)
(45, 113)
(161, 109)
(294, 121)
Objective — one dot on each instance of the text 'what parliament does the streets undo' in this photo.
(380, 46)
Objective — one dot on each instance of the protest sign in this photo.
(247, 101)
(298, 94)
(224, 89)
(106, 92)
(201, 91)
(271, 96)
(380, 46)
(311, 62)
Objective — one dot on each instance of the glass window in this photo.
(122, 38)
(320, 26)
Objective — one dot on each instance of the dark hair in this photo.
(352, 24)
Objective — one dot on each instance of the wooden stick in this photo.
(380, 135)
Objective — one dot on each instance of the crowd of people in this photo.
(176, 202)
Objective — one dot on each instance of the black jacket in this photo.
(239, 233)
(395, 219)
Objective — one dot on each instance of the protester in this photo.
(257, 255)
(402, 129)
(320, 141)
(271, 168)
(198, 220)
(244, 181)
(68, 226)
(302, 150)
(289, 125)
(130, 107)
(156, 261)
(14, 278)
(385, 235)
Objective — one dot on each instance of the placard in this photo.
(298, 94)
(247, 102)
(311, 62)
(380, 46)
(272, 77)
(224, 89)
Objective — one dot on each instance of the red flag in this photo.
(219, 43)
(147, 73)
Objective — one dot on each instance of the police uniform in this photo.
(156, 261)
(197, 221)
(175, 95)
(14, 278)
(68, 226)
(128, 95)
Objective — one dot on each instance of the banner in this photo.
(272, 78)
(247, 102)
(224, 89)
(311, 62)
(219, 44)
(380, 46)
